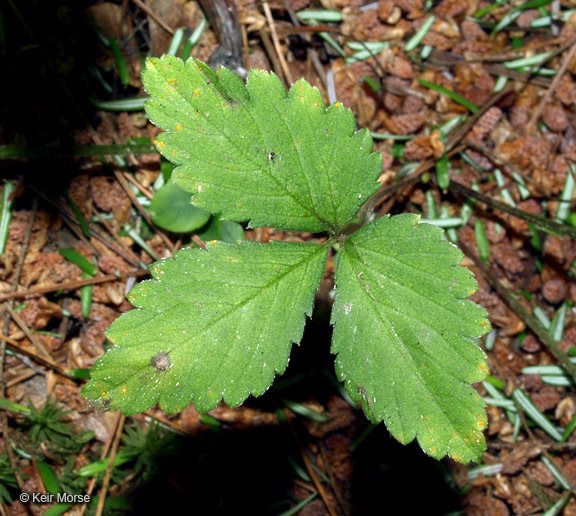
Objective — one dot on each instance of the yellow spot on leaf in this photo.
(160, 144)
(337, 105)
(178, 127)
(124, 390)
(212, 242)
(196, 92)
(104, 393)
(316, 104)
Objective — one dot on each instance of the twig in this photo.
(465, 128)
(312, 53)
(68, 217)
(106, 481)
(497, 160)
(124, 184)
(138, 185)
(380, 195)
(3, 342)
(154, 16)
(343, 505)
(124, 252)
(309, 467)
(14, 345)
(73, 285)
(528, 318)
(276, 66)
(276, 41)
(31, 337)
(538, 111)
(537, 220)
(105, 450)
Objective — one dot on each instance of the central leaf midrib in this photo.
(257, 166)
(237, 306)
(352, 253)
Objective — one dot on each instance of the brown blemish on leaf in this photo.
(161, 361)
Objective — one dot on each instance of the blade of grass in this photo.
(528, 61)
(488, 8)
(176, 41)
(487, 470)
(14, 407)
(452, 94)
(323, 15)
(481, 240)
(303, 410)
(566, 197)
(5, 214)
(121, 65)
(419, 35)
(525, 403)
(554, 470)
(76, 258)
(193, 39)
(539, 221)
(521, 185)
(12, 152)
(86, 297)
(448, 222)
(446, 128)
(489, 342)
(299, 506)
(81, 219)
(569, 429)
(49, 478)
(556, 508)
(140, 241)
(443, 172)
(558, 323)
(134, 104)
(99, 466)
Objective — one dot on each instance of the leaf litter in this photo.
(465, 58)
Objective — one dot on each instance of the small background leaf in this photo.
(225, 230)
(172, 210)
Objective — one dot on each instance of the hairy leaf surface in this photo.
(255, 152)
(406, 336)
(213, 324)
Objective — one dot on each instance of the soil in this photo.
(515, 147)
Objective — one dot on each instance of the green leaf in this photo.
(226, 230)
(171, 210)
(253, 152)
(406, 336)
(213, 324)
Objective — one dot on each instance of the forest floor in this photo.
(473, 107)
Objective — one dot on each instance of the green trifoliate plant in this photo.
(218, 323)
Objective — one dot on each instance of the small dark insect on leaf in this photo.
(271, 156)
